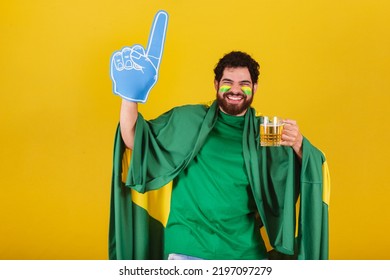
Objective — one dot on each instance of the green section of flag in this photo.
(133, 233)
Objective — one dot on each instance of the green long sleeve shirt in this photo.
(213, 212)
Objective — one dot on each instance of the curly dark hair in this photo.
(237, 59)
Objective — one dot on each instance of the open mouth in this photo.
(234, 103)
(234, 97)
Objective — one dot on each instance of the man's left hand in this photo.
(291, 136)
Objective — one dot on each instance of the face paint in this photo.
(224, 89)
(247, 90)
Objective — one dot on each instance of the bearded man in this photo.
(225, 185)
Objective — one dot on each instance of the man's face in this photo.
(235, 91)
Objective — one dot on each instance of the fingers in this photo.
(126, 52)
(290, 128)
(290, 133)
(136, 57)
(137, 53)
(157, 38)
(291, 136)
(117, 61)
(127, 58)
(291, 122)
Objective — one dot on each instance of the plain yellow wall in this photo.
(323, 63)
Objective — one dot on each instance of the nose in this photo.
(236, 89)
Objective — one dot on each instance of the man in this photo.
(213, 210)
(225, 186)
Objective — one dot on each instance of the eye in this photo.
(227, 82)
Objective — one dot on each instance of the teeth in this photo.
(232, 97)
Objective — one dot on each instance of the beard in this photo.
(234, 109)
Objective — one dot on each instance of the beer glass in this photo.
(271, 131)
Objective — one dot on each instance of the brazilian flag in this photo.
(137, 221)
(292, 197)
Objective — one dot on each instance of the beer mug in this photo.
(271, 131)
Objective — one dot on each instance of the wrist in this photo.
(297, 147)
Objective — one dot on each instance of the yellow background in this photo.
(323, 63)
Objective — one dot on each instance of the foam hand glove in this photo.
(134, 70)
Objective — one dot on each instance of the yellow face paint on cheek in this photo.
(247, 90)
(224, 89)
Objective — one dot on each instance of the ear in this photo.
(254, 88)
(216, 85)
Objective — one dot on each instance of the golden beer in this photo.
(271, 132)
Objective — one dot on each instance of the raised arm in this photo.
(134, 71)
(128, 118)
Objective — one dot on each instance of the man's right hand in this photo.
(134, 70)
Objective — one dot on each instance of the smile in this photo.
(234, 97)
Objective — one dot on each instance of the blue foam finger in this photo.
(134, 70)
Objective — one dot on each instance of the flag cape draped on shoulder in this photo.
(292, 197)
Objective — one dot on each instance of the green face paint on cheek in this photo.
(224, 89)
(247, 90)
